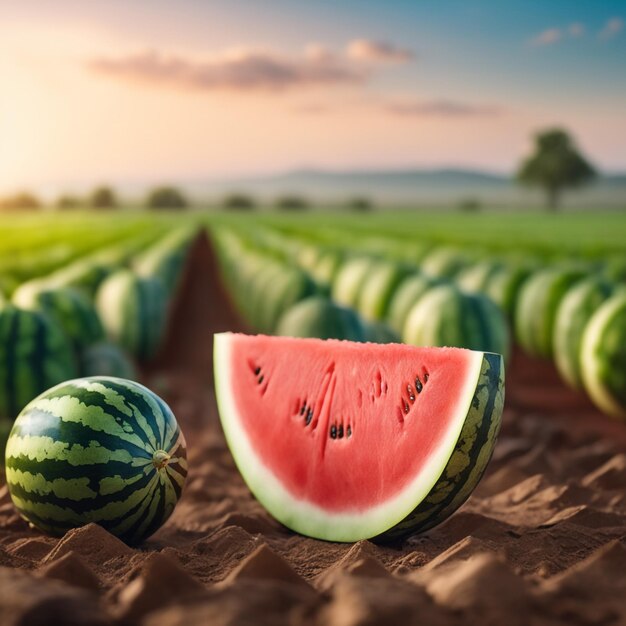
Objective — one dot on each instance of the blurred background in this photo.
(341, 104)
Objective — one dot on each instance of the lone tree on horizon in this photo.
(555, 165)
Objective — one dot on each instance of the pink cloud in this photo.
(612, 28)
(547, 37)
(377, 51)
(244, 71)
(442, 108)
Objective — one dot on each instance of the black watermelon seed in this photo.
(426, 377)
(418, 384)
(333, 432)
(406, 405)
(261, 379)
(340, 432)
(309, 417)
(349, 431)
(257, 371)
(303, 409)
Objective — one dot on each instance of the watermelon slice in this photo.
(345, 441)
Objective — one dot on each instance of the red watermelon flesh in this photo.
(344, 440)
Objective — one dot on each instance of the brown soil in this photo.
(542, 540)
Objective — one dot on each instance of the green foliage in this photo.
(166, 198)
(360, 205)
(555, 165)
(470, 205)
(66, 201)
(239, 202)
(292, 203)
(103, 198)
(22, 201)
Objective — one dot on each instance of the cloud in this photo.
(244, 70)
(547, 37)
(441, 108)
(576, 29)
(377, 52)
(613, 27)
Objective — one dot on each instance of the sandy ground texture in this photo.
(542, 540)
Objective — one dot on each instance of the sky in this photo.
(163, 91)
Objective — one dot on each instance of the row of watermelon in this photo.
(390, 300)
(447, 299)
(85, 319)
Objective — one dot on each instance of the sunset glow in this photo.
(105, 91)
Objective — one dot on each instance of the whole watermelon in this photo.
(575, 310)
(403, 299)
(166, 259)
(322, 318)
(69, 308)
(503, 286)
(102, 450)
(536, 307)
(35, 354)
(378, 287)
(349, 279)
(445, 316)
(603, 356)
(133, 311)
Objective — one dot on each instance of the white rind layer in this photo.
(308, 518)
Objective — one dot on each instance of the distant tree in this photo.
(23, 201)
(360, 204)
(470, 205)
(67, 202)
(292, 203)
(239, 202)
(555, 165)
(166, 198)
(103, 198)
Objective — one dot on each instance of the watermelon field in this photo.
(523, 520)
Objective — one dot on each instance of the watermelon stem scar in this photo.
(346, 441)
(160, 459)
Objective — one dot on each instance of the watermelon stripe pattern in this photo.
(34, 355)
(470, 458)
(101, 450)
(66, 306)
(133, 311)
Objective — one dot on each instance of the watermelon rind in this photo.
(444, 483)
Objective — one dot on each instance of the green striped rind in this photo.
(575, 310)
(445, 316)
(68, 307)
(133, 311)
(375, 293)
(503, 287)
(349, 280)
(85, 452)
(166, 259)
(470, 458)
(34, 355)
(86, 275)
(322, 318)
(443, 262)
(106, 359)
(403, 299)
(603, 356)
(535, 312)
